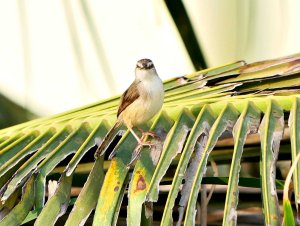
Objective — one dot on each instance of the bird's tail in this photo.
(107, 140)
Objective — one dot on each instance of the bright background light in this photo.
(58, 55)
(56, 77)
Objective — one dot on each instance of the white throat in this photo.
(144, 75)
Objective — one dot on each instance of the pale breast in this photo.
(147, 105)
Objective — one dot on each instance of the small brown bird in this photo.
(139, 103)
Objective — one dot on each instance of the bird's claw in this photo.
(146, 143)
(148, 133)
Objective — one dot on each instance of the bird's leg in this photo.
(147, 133)
(139, 140)
(141, 143)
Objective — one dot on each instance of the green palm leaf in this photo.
(200, 111)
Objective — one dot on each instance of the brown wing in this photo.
(130, 95)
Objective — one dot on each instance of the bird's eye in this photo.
(149, 65)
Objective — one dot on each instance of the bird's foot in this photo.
(146, 143)
(148, 133)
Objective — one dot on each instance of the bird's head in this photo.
(145, 70)
(144, 64)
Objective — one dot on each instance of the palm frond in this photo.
(201, 110)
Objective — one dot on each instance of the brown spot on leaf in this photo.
(116, 188)
(141, 184)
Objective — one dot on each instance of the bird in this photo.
(139, 103)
